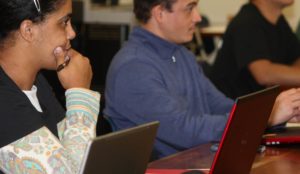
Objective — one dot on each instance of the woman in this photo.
(36, 134)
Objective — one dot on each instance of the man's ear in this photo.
(27, 30)
(158, 13)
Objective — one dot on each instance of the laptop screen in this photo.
(125, 151)
(243, 132)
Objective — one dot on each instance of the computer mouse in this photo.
(214, 147)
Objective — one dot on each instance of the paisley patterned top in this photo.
(41, 152)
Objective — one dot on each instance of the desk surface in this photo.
(214, 30)
(280, 160)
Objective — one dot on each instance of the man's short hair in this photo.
(142, 8)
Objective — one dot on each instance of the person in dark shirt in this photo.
(259, 50)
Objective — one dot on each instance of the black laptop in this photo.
(121, 152)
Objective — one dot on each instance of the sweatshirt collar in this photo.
(161, 46)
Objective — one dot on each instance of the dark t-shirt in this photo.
(250, 37)
(19, 117)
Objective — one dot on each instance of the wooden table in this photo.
(214, 30)
(280, 160)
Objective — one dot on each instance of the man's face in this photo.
(178, 25)
(282, 3)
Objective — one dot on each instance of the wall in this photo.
(293, 14)
(218, 11)
(125, 1)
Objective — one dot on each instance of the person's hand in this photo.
(286, 107)
(295, 119)
(73, 73)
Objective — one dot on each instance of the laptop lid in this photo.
(125, 151)
(285, 134)
(243, 132)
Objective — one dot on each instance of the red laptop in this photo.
(243, 132)
(241, 137)
(285, 134)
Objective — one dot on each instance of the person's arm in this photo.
(267, 73)
(143, 97)
(252, 50)
(218, 102)
(297, 63)
(42, 152)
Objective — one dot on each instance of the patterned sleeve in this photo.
(41, 152)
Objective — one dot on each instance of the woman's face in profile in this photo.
(55, 31)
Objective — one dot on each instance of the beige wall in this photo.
(125, 1)
(293, 14)
(219, 10)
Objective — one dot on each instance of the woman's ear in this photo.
(27, 30)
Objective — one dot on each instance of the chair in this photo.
(103, 124)
(207, 46)
(206, 49)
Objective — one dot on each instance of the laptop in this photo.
(244, 129)
(241, 137)
(282, 135)
(125, 151)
